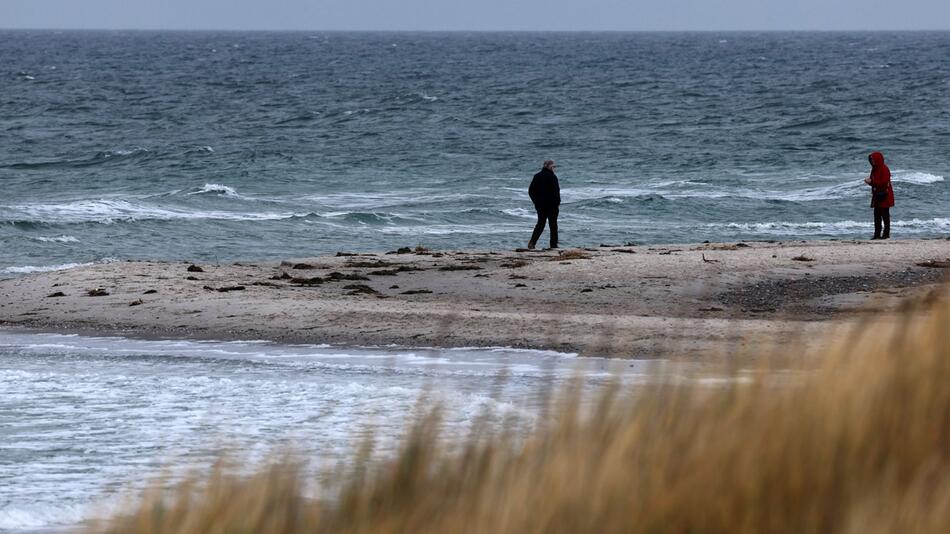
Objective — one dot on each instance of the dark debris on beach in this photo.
(792, 295)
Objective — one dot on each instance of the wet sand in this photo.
(631, 301)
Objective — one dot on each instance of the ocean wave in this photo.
(686, 189)
(914, 177)
(97, 159)
(56, 239)
(348, 200)
(366, 217)
(577, 194)
(811, 194)
(41, 516)
(849, 189)
(353, 201)
(450, 229)
(681, 183)
(595, 196)
(23, 225)
(302, 118)
(611, 202)
(108, 211)
(522, 213)
(26, 269)
(217, 189)
(937, 224)
(200, 150)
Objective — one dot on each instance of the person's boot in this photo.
(875, 237)
(531, 244)
(887, 235)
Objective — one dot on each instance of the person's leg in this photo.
(552, 220)
(886, 216)
(877, 223)
(538, 228)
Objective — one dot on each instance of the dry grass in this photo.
(861, 446)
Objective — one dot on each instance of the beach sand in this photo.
(675, 301)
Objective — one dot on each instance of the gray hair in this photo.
(548, 163)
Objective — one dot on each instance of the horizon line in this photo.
(289, 30)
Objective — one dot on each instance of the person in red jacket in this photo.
(882, 195)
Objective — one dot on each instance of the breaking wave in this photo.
(785, 228)
(57, 239)
(41, 516)
(217, 189)
(26, 269)
(911, 177)
(108, 211)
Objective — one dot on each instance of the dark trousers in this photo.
(882, 217)
(549, 215)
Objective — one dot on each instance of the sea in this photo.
(250, 146)
(239, 146)
(87, 423)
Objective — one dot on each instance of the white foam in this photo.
(914, 177)
(823, 188)
(108, 211)
(57, 239)
(938, 224)
(451, 229)
(26, 269)
(217, 188)
(574, 194)
(40, 516)
(126, 152)
(361, 201)
(670, 183)
(523, 213)
(830, 192)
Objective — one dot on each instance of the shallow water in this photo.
(84, 420)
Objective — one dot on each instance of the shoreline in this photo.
(648, 301)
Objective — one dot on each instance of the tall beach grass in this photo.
(861, 445)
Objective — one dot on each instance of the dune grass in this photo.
(860, 445)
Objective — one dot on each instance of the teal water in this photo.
(226, 146)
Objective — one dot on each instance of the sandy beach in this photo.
(631, 301)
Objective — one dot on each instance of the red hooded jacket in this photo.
(880, 181)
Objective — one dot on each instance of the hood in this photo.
(877, 159)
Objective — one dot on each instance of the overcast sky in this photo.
(478, 14)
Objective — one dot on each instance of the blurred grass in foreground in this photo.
(862, 445)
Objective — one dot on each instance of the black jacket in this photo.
(544, 190)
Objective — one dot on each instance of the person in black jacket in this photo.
(545, 193)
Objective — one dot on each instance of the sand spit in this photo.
(633, 301)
